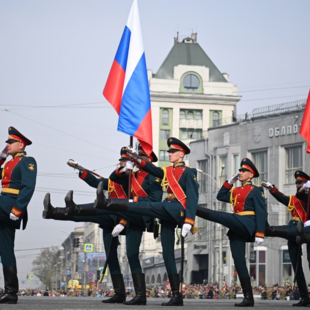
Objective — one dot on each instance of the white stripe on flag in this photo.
(136, 48)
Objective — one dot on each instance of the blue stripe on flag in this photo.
(136, 100)
(122, 51)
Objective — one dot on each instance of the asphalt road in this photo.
(82, 303)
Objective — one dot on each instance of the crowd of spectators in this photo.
(192, 291)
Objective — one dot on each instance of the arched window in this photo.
(198, 115)
(215, 119)
(165, 117)
(191, 82)
(190, 115)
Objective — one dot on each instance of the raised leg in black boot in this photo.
(140, 290)
(10, 286)
(302, 236)
(177, 298)
(119, 289)
(248, 300)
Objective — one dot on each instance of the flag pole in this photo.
(130, 171)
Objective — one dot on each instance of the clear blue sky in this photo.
(55, 57)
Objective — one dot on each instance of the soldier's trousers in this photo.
(107, 223)
(168, 224)
(7, 232)
(238, 235)
(133, 239)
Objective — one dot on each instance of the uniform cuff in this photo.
(83, 175)
(16, 212)
(227, 185)
(260, 234)
(142, 164)
(118, 173)
(189, 221)
(135, 199)
(123, 222)
(2, 161)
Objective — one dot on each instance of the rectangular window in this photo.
(165, 117)
(293, 162)
(164, 134)
(163, 155)
(190, 134)
(203, 176)
(258, 268)
(260, 162)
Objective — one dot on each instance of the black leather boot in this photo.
(177, 298)
(276, 231)
(203, 212)
(302, 236)
(304, 295)
(248, 300)
(140, 290)
(119, 289)
(71, 208)
(48, 212)
(10, 286)
(118, 205)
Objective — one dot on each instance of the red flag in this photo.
(305, 124)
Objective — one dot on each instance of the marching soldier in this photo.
(182, 188)
(18, 183)
(106, 222)
(296, 204)
(246, 224)
(143, 187)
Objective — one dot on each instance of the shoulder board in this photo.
(189, 167)
(257, 185)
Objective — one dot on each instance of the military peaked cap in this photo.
(16, 136)
(141, 151)
(247, 165)
(300, 175)
(177, 145)
(124, 154)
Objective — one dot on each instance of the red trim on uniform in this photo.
(17, 138)
(83, 175)
(178, 147)
(189, 221)
(123, 222)
(247, 167)
(227, 185)
(302, 179)
(118, 173)
(16, 212)
(142, 164)
(260, 234)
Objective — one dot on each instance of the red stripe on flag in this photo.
(305, 124)
(144, 133)
(113, 90)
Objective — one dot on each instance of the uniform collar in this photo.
(180, 164)
(247, 183)
(19, 154)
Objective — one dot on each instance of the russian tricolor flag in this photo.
(127, 88)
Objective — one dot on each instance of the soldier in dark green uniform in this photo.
(182, 188)
(144, 187)
(106, 222)
(18, 183)
(296, 204)
(246, 224)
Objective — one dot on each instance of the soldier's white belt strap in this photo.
(10, 191)
(246, 213)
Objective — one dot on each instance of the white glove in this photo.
(132, 152)
(4, 153)
(185, 229)
(117, 230)
(267, 185)
(307, 223)
(129, 165)
(306, 185)
(13, 217)
(233, 179)
(259, 240)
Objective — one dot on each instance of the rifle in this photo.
(75, 165)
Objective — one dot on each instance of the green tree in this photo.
(43, 265)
